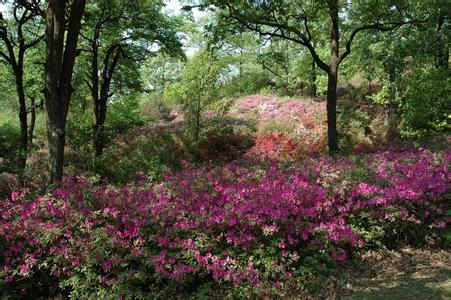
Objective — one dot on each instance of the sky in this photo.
(175, 7)
(172, 6)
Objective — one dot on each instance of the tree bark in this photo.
(14, 56)
(18, 72)
(442, 56)
(60, 60)
(332, 79)
(313, 89)
(393, 117)
(100, 101)
(32, 121)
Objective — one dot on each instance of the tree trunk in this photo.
(99, 127)
(393, 117)
(332, 79)
(60, 60)
(56, 142)
(112, 57)
(313, 88)
(197, 128)
(22, 118)
(442, 57)
(32, 121)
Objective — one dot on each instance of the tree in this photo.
(198, 88)
(61, 37)
(118, 32)
(160, 70)
(17, 36)
(411, 65)
(293, 20)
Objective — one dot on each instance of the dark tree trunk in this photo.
(14, 56)
(442, 57)
(60, 60)
(100, 101)
(18, 72)
(56, 142)
(99, 127)
(332, 79)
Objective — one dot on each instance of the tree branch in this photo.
(377, 26)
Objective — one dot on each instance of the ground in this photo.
(406, 273)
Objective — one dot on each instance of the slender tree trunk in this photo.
(22, 118)
(332, 77)
(94, 86)
(32, 121)
(393, 117)
(442, 57)
(313, 88)
(197, 130)
(99, 127)
(112, 57)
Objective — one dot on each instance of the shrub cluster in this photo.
(286, 128)
(248, 224)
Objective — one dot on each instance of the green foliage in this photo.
(9, 148)
(160, 70)
(321, 84)
(425, 101)
(151, 154)
(353, 124)
(247, 83)
(154, 107)
(198, 88)
(79, 131)
(123, 114)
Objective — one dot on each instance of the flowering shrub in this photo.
(244, 223)
(287, 128)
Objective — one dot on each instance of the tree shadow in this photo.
(416, 279)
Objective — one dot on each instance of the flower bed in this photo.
(248, 224)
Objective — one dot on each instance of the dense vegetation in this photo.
(154, 149)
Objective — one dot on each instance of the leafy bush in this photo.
(149, 149)
(354, 128)
(220, 140)
(79, 133)
(9, 148)
(124, 114)
(248, 83)
(246, 224)
(155, 108)
(425, 101)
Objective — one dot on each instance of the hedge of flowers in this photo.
(249, 224)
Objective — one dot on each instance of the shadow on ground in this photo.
(405, 274)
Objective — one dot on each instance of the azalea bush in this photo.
(287, 128)
(249, 224)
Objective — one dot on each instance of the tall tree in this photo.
(17, 35)
(120, 32)
(293, 20)
(63, 22)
